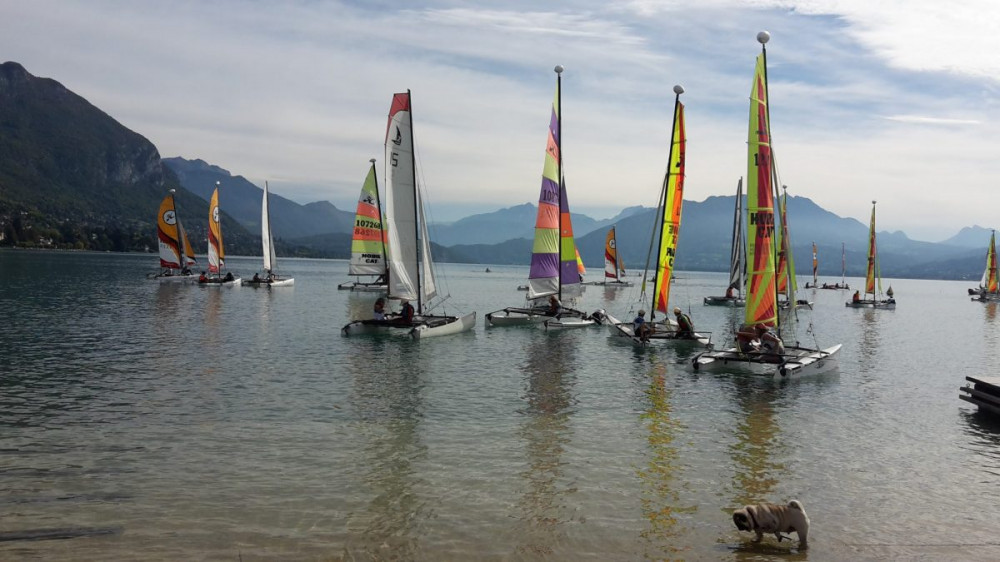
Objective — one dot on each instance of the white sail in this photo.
(265, 234)
(401, 202)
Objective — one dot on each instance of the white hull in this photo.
(421, 327)
(886, 304)
(287, 282)
(176, 278)
(611, 284)
(516, 317)
(795, 363)
(725, 301)
(235, 281)
(663, 333)
(568, 322)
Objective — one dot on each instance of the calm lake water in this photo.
(158, 422)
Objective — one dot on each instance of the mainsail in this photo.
(672, 203)
(189, 258)
(553, 255)
(738, 250)
(786, 263)
(761, 296)
(815, 265)
(216, 254)
(872, 271)
(368, 242)
(989, 282)
(167, 234)
(267, 240)
(411, 276)
(614, 269)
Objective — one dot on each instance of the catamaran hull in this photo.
(568, 322)
(359, 286)
(176, 278)
(725, 301)
(887, 305)
(797, 362)
(235, 281)
(268, 284)
(626, 331)
(516, 317)
(421, 327)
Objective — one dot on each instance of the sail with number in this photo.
(368, 243)
(672, 204)
(554, 270)
(761, 306)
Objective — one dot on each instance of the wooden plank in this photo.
(982, 396)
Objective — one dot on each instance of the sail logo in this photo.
(764, 221)
(368, 199)
(399, 138)
(215, 214)
(170, 217)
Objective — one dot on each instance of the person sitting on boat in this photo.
(685, 327)
(256, 278)
(640, 328)
(187, 271)
(405, 314)
(203, 278)
(747, 340)
(731, 292)
(379, 310)
(856, 297)
(770, 343)
(229, 276)
(555, 307)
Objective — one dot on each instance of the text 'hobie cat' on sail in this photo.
(666, 231)
(759, 346)
(412, 279)
(555, 274)
(368, 241)
(270, 278)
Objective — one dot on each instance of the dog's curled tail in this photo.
(794, 504)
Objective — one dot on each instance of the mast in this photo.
(665, 194)
(559, 173)
(416, 206)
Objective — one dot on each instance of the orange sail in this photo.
(872, 256)
(216, 254)
(673, 201)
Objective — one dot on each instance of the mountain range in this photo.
(71, 176)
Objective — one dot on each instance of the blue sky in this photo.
(893, 100)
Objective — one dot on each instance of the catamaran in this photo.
(763, 354)
(270, 277)
(989, 287)
(368, 240)
(412, 277)
(614, 265)
(873, 278)
(843, 271)
(176, 254)
(554, 268)
(665, 233)
(216, 251)
(737, 259)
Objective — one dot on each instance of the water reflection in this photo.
(659, 496)
(387, 397)
(548, 369)
(757, 442)
(361, 303)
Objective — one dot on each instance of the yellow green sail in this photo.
(760, 306)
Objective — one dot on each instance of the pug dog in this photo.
(773, 518)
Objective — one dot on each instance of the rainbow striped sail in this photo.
(991, 278)
(760, 307)
(554, 269)
(673, 202)
(368, 242)
(815, 265)
(216, 253)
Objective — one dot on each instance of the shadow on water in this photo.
(388, 402)
(549, 404)
(660, 501)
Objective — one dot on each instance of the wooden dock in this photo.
(984, 392)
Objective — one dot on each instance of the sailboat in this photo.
(216, 251)
(554, 269)
(843, 271)
(873, 278)
(411, 266)
(368, 241)
(763, 354)
(737, 259)
(665, 234)
(176, 254)
(614, 265)
(989, 285)
(270, 277)
(787, 283)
